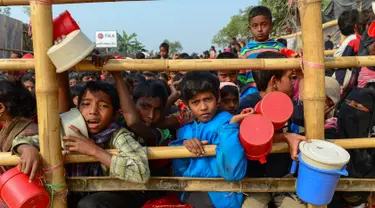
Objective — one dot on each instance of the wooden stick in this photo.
(324, 26)
(47, 97)
(155, 153)
(26, 2)
(196, 65)
(313, 96)
(93, 184)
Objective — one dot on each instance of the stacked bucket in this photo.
(257, 131)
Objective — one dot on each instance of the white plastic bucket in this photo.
(324, 155)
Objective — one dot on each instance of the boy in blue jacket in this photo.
(260, 25)
(200, 92)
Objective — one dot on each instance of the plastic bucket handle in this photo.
(342, 172)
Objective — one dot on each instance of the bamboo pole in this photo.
(197, 65)
(94, 184)
(324, 26)
(26, 2)
(155, 153)
(313, 96)
(47, 98)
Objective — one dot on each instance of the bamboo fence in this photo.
(46, 92)
(157, 153)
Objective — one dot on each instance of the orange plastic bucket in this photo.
(63, 25)
(256, 136)
(277, 107)
(17, 192)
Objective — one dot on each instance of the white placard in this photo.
(106, 39)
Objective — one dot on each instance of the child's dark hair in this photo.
(27, 78)
(140, 55)
(229, 90)
(19, 101)
(165, 46)
(151, 88)
(74, 75)
(169, 92)
(184, 56)
(196, 82)
(260, 10)
(227, 55)
(149, 74)
(347, 20)
(110, 80)
(96, 86)
(89, 74)
(366, 17)
(19, 55)
(76, 90)
(163, 76)
(262, 77)
(285, 43)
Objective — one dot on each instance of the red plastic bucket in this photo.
(256, 136)
(63, 25)
(277, 107)
(17, 192)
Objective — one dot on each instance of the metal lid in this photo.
(324, 152)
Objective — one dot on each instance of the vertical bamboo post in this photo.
(313, 51)
(47, 97)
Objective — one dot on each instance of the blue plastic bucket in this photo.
(316, 186)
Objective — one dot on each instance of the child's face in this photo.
(72, 82)
(88, 78)
(228, 76)
(163, 52)
(203, 106)
(230, 103)
(285, 83)
(97, 109)
(29, 85)
(260, 27)
(149, 109)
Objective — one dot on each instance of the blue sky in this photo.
(192, 22)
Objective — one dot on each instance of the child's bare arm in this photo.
(130, 113)
(175, 95)
(65, 100)
(293, 141)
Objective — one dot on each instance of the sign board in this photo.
(106, 39)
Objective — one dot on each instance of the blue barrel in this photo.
(316, 186)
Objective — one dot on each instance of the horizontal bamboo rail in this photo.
(329, 52)
(325, 26)
(155, 153)
(326, 52)
(15, 50)
(93, 184)
(196, 65)
(26, 2)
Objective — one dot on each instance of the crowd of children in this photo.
(128, 111)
